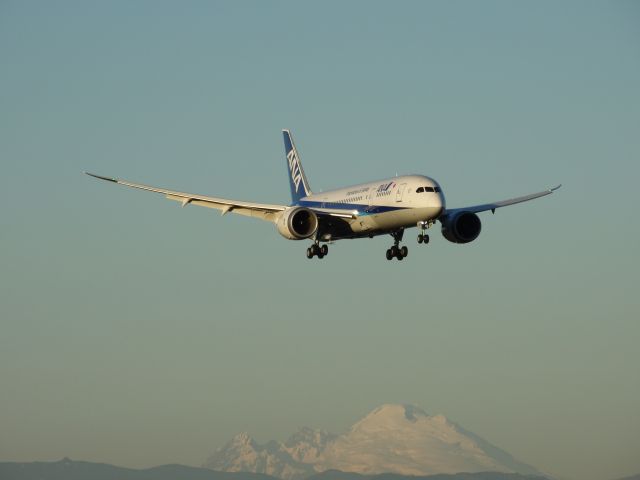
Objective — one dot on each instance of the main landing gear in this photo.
(317, 250)
(397, 251)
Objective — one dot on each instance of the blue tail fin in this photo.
(297, 179)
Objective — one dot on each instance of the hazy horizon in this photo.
(139, 333)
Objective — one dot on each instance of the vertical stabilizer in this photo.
(297, 179)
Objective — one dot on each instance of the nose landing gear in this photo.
(423, 226)
(397, 251)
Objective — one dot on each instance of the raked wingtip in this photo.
(108, 179)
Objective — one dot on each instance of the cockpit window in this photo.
(428, 189)
(438, 189)
(420, 190)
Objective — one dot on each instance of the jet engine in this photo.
(463, 227)
(297, 223)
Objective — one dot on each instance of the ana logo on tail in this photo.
(294, 168)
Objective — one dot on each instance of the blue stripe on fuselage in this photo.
(361, 208)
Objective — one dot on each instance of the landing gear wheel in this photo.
(317, 250)
(425, 239)
(395, 250)
(421, 238)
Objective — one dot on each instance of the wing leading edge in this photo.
(502, 203)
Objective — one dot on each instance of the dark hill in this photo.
(70, 470)
(338, 475)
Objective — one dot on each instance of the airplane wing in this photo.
(503, 203)
(257, 210)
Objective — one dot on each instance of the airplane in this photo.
(383, 207)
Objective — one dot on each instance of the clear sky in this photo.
(139, 333)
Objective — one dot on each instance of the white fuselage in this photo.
(384, 205)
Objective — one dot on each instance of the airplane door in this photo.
(400, 192)
(371, 195)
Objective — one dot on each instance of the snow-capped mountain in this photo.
(291, 460)
(404, 439)
(391, 439)
(307, 444)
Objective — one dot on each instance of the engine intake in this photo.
(297, 223)
(463, 227)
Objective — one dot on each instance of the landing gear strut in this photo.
(397, 251)
(317, 250)
(424, 225)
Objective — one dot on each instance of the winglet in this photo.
(555, 188)
(108, 179)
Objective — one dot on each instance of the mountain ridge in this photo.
(67, 469)
(338, 475)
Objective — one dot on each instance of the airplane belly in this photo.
(407, 217)
(363, 224)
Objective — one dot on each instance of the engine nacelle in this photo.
(297, 223)
(463, 227)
